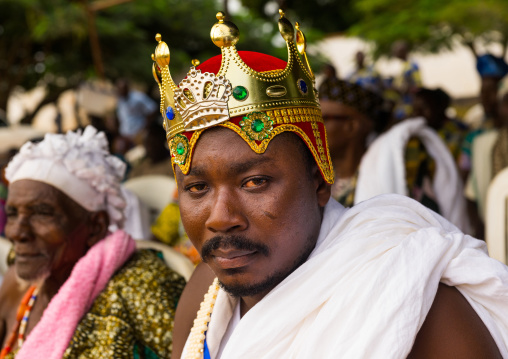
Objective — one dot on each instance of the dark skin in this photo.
(452, 329)
(215, 199)
(435, 117)
(253, 196)
(50, 233)
(488, 95)
(192, 296)
(360, 60)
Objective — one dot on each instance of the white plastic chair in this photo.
(155, 191)
(174, 260)
(496, 217)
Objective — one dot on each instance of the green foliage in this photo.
(325, 16)
(430, 25)
(48, 41)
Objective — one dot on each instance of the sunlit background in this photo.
(59, 58)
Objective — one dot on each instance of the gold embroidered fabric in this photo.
(133, 316)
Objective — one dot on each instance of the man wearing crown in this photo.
(297, 274)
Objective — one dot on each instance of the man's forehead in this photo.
(240, 165)
(223, 147)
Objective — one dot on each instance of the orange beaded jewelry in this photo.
(24, 310)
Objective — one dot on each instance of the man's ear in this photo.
(323, 189)
(99, 223)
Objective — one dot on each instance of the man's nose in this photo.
(226, 214)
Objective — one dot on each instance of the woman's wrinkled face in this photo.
(253, 217)
(47, 228)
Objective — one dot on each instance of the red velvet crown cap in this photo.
(255, 60)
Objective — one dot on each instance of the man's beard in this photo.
(243, 243)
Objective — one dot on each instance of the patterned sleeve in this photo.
(133, 316)
(150, 297)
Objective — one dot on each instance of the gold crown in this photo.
(205, 99)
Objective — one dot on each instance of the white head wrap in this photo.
(79, 165)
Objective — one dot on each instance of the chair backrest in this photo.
(174, 260)
(496, 217)
(155, 191)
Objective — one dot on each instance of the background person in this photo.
(134, 110)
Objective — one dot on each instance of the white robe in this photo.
(382, 169)
(367, 287)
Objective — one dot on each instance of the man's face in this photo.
(253, 217)
(422, 108)
(47, 228)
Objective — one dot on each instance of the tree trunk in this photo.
(4, 96)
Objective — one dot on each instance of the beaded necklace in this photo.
(24, 310)
(197, 337)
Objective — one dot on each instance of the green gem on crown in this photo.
(180, 148)
(257, 125)
(240, 93)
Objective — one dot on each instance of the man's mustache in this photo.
(237, 242)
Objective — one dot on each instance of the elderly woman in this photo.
(83, 292)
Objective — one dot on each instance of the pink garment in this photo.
(51, 336)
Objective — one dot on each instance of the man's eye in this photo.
(255, 182)
(196, 188)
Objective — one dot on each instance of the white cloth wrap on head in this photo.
(79, 165)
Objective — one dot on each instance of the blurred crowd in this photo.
(395, 135)
(385, 135)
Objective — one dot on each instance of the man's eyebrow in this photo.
(241, 167)
(234, 168)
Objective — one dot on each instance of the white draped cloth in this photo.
(367, 287)
(382, 169)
